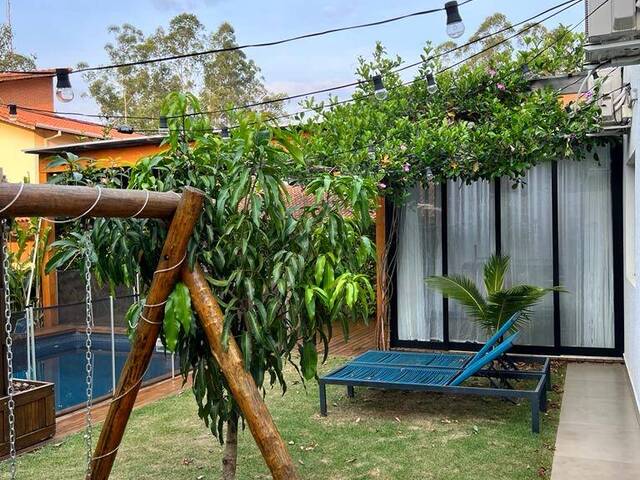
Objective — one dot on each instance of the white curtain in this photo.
(585, 252)
(419, 255)
(527, 237)
(471, 241)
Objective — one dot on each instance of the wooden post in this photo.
(241, 383)
(173, 253)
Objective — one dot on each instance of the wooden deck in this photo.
(361, 338)
(74, 421)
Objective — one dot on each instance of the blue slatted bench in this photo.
(437, 372)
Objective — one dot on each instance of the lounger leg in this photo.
(323, 399)
(350, 391)
(548, 374)
(543, 401)
(535, 414)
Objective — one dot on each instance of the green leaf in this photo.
(463, 290)
(495, 271)
(308, 359)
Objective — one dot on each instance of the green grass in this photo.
(377, 435)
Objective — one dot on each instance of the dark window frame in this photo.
(557, 348)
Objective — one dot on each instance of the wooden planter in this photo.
(35, 416)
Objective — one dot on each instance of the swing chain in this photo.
(9, 348)
(88, 355)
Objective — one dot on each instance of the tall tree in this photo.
(220, 80)
(10, 60)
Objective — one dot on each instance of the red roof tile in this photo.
(48, 121)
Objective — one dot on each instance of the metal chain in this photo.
(88, 440)
(9, 351)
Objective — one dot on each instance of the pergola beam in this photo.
(45, 200)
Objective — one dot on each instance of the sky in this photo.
(66, 32)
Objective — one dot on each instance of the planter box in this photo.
(35, 416)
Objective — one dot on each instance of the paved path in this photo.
(599, 433)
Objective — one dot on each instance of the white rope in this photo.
(172, 268)
(146, 201)
(128, 390)
(52, 220)
(152, 305)
(14, 198)
(106, 454)
(149, 321)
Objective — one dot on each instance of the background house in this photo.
(33, 127)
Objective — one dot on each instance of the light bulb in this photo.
(371, 152)
(455, 27)
(126, 129)
(224, 132)
(64, 91)
(13, 112)
(378, 86)
(432, 86)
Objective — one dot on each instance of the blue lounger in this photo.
(434, 359)
(441, 379)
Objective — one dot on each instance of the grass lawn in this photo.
(377, 435)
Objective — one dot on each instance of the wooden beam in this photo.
(241, 383)
(173, 253)
(45, 200)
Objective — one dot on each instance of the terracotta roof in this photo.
(10, 76)
(32, 120)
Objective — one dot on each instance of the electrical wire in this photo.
(254, 45)
(567, 4)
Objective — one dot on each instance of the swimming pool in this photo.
(60, 359)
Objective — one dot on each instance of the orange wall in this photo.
(31, 92)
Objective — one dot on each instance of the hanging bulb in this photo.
(455, 27)
(13, 112)
(224, 132)
(64, 92)
(127, 129)
(432, 86)
(163, 125)
(371, 152)
(379, 91)
(594, 74)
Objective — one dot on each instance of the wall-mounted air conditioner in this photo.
(613, 31)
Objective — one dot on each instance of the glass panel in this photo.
(527, 237)
(586, 257)
(471, 241)
(419, 256)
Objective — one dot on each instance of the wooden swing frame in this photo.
(183, 212)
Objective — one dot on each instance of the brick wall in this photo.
(31, 92)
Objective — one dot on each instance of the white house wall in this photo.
(631, 183)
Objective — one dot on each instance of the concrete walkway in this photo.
(599, 433)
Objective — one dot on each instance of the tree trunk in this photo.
(230, 457)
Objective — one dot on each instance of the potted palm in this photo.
(500, 302)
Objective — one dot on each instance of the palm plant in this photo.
(500, 303)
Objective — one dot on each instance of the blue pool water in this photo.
(61, 359)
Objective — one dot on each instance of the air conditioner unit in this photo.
(613, 97)
(613, 31)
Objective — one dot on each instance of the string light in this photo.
(13, 112)
(378, 87)
(455, 27)
(126, 129)
(432, 86)
(224, 132)
(64, 91)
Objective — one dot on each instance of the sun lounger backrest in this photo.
(476, 365)
(494, 339)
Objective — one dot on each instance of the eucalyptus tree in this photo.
(282, 274)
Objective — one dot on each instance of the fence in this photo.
(50, 345)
